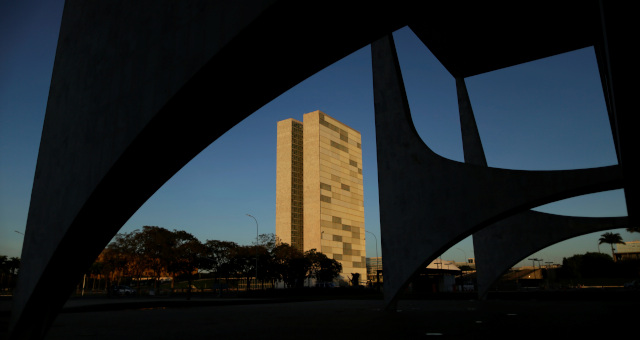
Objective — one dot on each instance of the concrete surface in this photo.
(429, 203)
(138, 89)
(503, 244)
(525, 315)
(128, 74)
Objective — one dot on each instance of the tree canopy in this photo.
(157, 252)
(612, 239)
(8, 271)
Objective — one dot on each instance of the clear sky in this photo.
(544, 115)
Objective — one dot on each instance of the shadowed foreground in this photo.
(529, 315)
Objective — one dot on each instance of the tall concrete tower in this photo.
(319, 189)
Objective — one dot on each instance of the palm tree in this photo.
(612, 239)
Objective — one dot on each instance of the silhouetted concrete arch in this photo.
(427, 202)
(138, 89)
(503, 244)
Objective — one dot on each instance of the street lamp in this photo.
(533, 262)
(466, 261)
(377, 260)
(256, 249)
(540, 264)
(465, 255)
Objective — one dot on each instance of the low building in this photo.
(374, 269)
(628, 251)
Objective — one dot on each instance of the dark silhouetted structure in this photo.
(139, 88)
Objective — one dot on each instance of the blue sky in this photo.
(544, 115)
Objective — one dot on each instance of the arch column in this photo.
(427, 202)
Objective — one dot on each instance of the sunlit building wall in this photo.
(289, 183)
(630, 250)
(332, 190)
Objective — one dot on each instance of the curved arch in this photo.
(427, 202)
(137, 91)
(134, 86)
(503, 244)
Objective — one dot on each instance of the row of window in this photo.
(339, 146)
(355, 264)
(358, 265)
(355, 231)
(347, 173)
(327, 187)
(331, 126)
(343, 133)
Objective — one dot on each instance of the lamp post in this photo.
(540, 266)
(466, 261)
(256, 249)
(377, 260)
(533, 262)
(465, 255)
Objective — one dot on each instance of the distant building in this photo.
(470, 262)
(319, 198)
(437, 276)
(628, 251)
(374, 264)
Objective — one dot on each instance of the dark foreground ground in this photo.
(585, 315)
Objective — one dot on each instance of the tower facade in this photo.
(319, 189)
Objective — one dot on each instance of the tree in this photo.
(633, 229)
(612, 239)
(4, 270)
(266, 258)
(9, 268)
(244, 263)
(129, 248)
(588, 265)
(112, 265)
(322, 268)
(292, 265)
(218, 258)
(157, 248)
(186, 257)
